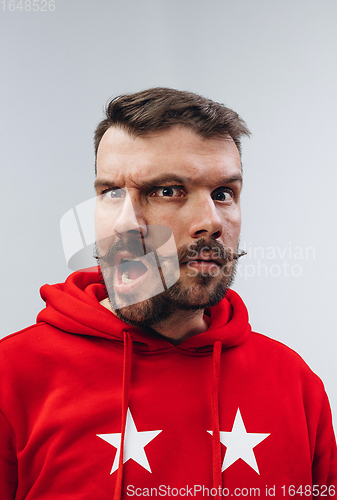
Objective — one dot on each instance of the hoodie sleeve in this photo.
(324, 466)
(8, 461)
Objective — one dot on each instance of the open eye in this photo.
(223, 195)
(167, 192)
(114, 193)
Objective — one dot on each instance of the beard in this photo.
(197, 291)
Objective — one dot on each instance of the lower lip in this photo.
(125, 288)
(201, 265)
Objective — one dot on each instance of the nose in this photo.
(129, 224)
(206, 220)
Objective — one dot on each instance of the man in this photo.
(149, 382)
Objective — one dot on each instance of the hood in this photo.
(74, 306)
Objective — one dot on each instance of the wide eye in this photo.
(114, 193)
(167, 192)
(223, 195)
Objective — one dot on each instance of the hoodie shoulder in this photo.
(284, 361)
(21, 335)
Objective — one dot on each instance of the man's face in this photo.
(175, 179)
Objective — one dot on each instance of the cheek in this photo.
(178, 227)
(104, 233)
(165, 217)
(231, 231)
(101, 224)
(235, 218)
(237, 224)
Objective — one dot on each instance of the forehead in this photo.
(123, 158)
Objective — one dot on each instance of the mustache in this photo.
(192, 251)
(213, 249)
(132, 245)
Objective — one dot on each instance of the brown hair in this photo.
(160, 108)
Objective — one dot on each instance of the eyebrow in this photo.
(166, 178)
(100, 183)
(182, 180)
(162, 179)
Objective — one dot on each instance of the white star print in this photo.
(240, 444)
(134, 443)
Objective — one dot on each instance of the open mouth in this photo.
(130, 270)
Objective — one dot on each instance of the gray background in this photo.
(272, 61)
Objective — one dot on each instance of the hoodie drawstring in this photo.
(217, 463)
(216, 444)
(125, 404)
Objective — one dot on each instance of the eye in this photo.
(223, 195)
(168, 192)
(113, 193)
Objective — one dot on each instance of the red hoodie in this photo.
(226, 413)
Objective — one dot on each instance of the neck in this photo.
(173, 329)
(176, 331)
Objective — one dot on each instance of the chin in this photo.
(187, 294)
(179, 297)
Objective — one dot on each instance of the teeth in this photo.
(125, 278)
(125, 272)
